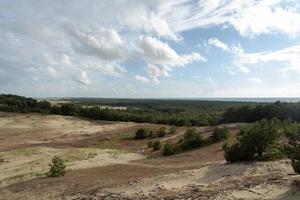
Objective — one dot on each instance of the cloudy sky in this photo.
(150, 48)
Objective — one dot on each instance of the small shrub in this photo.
(150, 144)
(172, 130)
(141, 134)
(168, 150)
(161, 132)
(57, 167)
(151, 134)
(219, 134)
(191, 140)
(156, 146)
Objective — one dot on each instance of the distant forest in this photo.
(172, 112)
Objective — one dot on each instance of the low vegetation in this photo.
(57, 167)
(292, 149)
(142, 133)
(219, 134)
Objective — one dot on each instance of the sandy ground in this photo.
(28, 163)
(104, 162)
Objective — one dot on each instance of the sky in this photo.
(150, 48)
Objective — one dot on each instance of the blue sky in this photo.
(151, 48)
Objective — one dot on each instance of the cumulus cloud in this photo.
(218, 44)
(105, 43)
(162, 59)
(158, 52)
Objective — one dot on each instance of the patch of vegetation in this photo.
(292, 150)
(57, 167)
(172, 130)
(168, 150)
(257, 142)
(141, 134)
(162, 132)
(219, 134)
(156, 146)
(191, 140)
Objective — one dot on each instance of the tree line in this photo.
(14, 103)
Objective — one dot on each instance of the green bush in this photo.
(236, 152)
(296, 166)
(156, 146)
(257, 139)
(191, 140)
(219, 134)
(151, 133)
(172, 130)
(274, 152)
(168, 150)
(150, 144)
(57, 167)
(141, 134)
(293, 152)
(161, 132)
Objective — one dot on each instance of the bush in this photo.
(156, 146)
(168, 150)
(219, 134)
(293, 152)
(150, 144)
(172, 130)
(257, 139)
(273, 152)
(191, 140)
(57, 167)
(296, 166)
(151, 133)
(236, 152)
(161, 132)
(141, 134)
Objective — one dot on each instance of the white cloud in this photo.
(287, 56)
(141, 78)
(82, 78)
(255, 80)
(161, 58)
(158, 52)
(104, 43)
(249, 17)
(219, 44)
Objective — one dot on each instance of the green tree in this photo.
(57, 167)
(256, 139)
